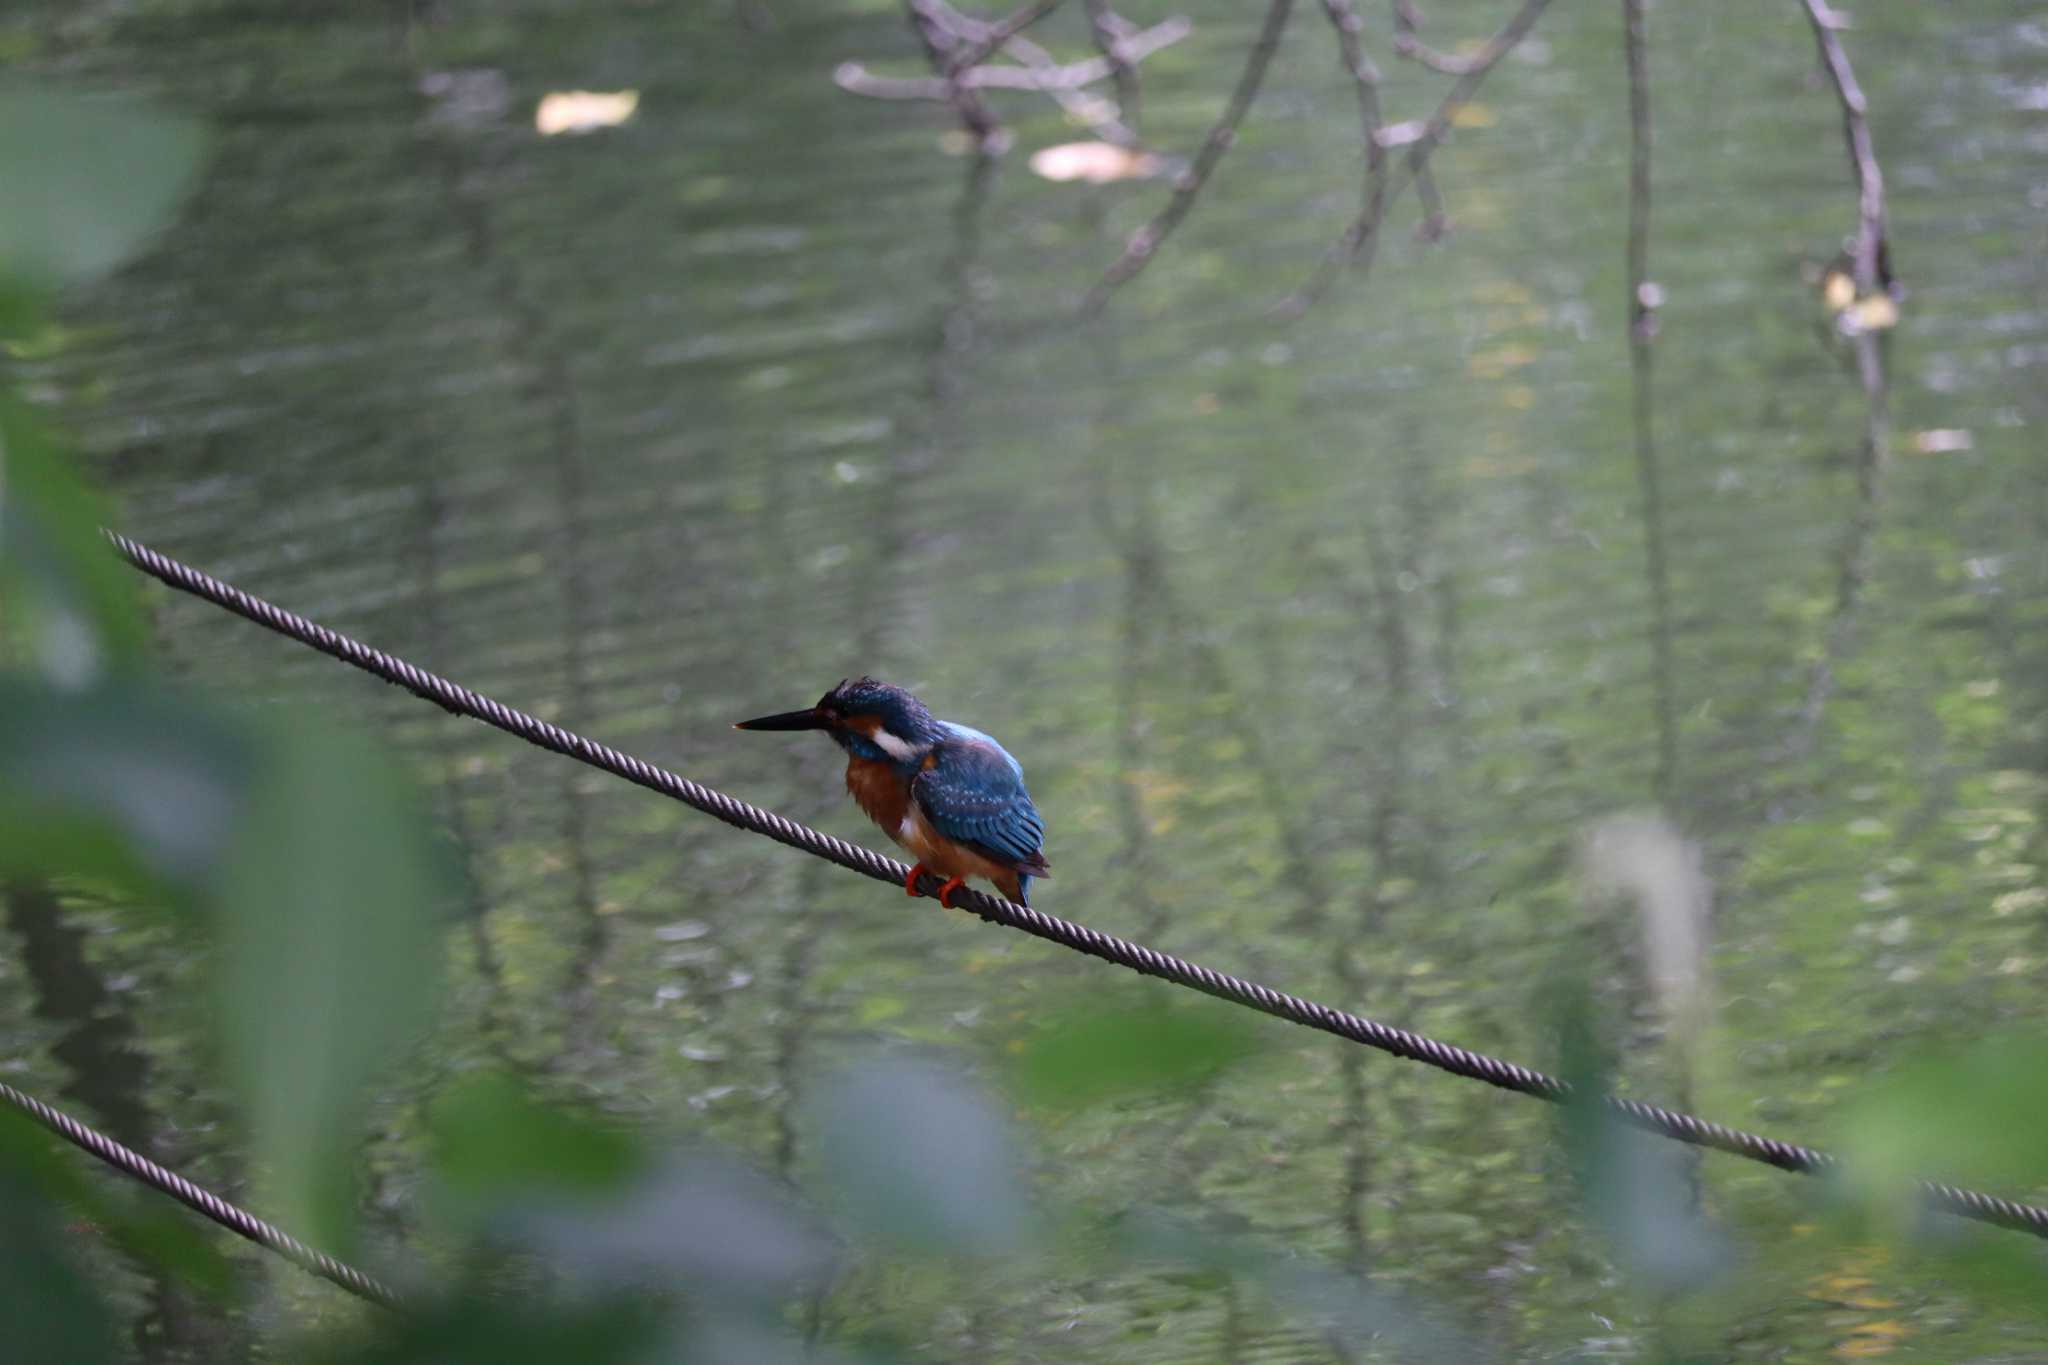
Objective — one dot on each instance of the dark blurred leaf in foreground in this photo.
(1638, 1189)
(68, 602)
(50, 1310)
(1091, 1054)
(331, 955)
(919, 1158)
(492, 1140)
(120, 781)
(697, 1222)
(1975, 1116)
(141, 1222)
(1344, 1307)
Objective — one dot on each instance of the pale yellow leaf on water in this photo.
(1474, 116)
(1941, 441)
(584, 111)
(1837, 290)
(1872, 314)
(1098, 163)
(1208, 404)
(1858, 1347)
(1520, 397)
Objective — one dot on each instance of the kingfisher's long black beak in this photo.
(807, 719)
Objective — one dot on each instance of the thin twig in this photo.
(1408, 43)
(1112, 34)
(1343, 16)
(1146, 241)
(1870, 234)
(954, 44)
(1357, 238)
(1642, 331)
(1100, 116)
(856, 79)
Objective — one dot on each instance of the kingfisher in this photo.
(946, 792)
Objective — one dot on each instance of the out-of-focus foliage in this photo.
(1321, 644)
(87, 181)
(330, 908)
(1086, 1052)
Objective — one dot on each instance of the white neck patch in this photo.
(895, 746)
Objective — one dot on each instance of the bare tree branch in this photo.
(1870, 234)
(1146, 241)
(1421, 141)
(993, 36)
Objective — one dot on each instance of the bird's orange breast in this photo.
(881, 791)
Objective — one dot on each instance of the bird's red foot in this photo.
(946, 887)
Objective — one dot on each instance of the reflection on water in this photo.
(1323, 642)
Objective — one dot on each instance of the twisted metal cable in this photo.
(1416, 1047)
(229, 1216)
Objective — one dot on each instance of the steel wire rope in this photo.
(235, 1219)
(459, 700)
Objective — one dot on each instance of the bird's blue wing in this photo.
(973, 793)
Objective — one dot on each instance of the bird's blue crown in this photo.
(903, 730)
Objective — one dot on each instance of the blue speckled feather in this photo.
(972, 792)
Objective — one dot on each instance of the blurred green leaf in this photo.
(119, 781)
(1975, 1116)
(331, 954)
(697, 1221)
(491, 1139)
(87, 179)
(63, 590)
(50, 1310)
(146, 1225)
(1347, 1307)
(1084, 1056)
(501, 1330)
(1639, 1190)
(921, 1159)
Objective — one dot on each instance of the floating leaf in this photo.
(1097, 163)
(583, 111)
(87, 180)
(1941, 441)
